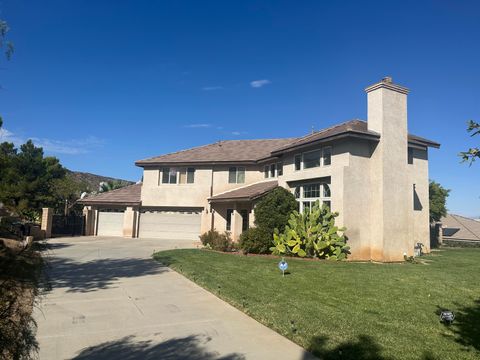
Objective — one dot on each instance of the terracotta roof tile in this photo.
(249, 192)
(128, 195)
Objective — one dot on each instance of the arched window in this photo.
(308, 194)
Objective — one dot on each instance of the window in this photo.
(178, 176)
(298, 162)
(266, 171)
(311, 191)
(272, 170)
(229, 219)
(311, 159)
(308, 194)
(169, 176)
(410, 156)
(279, 169)
(232, 175)
(190, 175)
(327, 156)
(244, 214)
(326, 190)
(236, 175)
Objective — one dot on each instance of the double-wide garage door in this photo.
(110, 223)
(170, 225)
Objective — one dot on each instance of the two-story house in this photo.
(374, 173)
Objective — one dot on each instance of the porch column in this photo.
(251, 217)
(130, 222)
(236, 224)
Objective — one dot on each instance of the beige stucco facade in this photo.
(377, 184)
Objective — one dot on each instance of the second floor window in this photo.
(236, 175)
(169, 176)
(312, 159)
(273, 170)
(178, 175)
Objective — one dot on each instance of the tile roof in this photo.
(458, 227)
(249, 192)
(251, 151)
(222, 151)
(128, 195)
(349, 127)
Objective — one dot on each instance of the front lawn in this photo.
(342, 310)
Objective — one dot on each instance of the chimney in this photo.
(390, 193)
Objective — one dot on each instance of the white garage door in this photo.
(170, 225)
(110, 223)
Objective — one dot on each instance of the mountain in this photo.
(93, 181)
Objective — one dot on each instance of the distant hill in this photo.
(93, 181)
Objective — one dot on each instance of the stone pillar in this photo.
(47, 216)
(89, 220)
(130, 222)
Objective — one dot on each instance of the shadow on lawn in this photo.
(191, 347)
(364, 348)
(97, 274)
(466, 325)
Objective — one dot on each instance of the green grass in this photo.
(341, 310)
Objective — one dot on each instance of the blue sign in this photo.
(282, 265)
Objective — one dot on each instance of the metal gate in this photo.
(70, 225)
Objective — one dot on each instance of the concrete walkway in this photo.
(109, 300)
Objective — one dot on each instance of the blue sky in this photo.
(101, 84)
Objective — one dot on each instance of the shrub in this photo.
(312, 233)
(216, 241)
(256, 241)
(274, 209)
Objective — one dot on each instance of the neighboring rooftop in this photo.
(250, 192)
(456, 227)
(252, 151)
(128, 195)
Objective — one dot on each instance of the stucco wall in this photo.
(391, 194)
(418, 173)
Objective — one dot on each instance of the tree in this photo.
(27, 179)
(274, 209)
(111, 185)
(472, 153)
(438, 197)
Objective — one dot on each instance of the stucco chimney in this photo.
(387, 115)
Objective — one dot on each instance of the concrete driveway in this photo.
(110, 300)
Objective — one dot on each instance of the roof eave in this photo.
(349, 133)
(117, 203)
(244, 198)
(424, 144)
(186, 163)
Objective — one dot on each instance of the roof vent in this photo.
(387, 79)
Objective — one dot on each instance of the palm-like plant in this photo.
(106, 186)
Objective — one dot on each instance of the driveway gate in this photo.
(70, 225)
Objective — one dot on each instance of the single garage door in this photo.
(110, 223)
(170, 225)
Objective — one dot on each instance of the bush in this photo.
(274, 209)
(216, 241)
(256, 241)
(313, 234)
